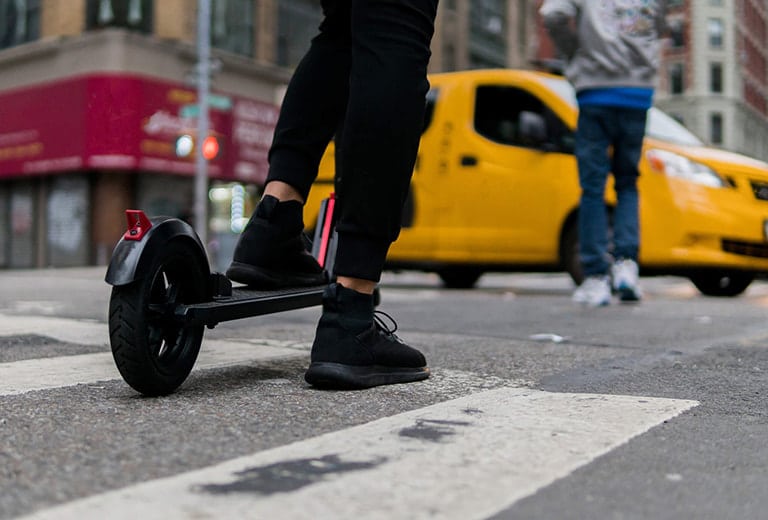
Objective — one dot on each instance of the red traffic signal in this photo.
(210, 147)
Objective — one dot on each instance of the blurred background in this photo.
(99, 103)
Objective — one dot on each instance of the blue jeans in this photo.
(602, 129)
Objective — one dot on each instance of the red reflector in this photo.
(138, 224)
(325, 237)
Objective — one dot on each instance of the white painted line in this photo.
(81, 332)
(462, 459)
(19, 377)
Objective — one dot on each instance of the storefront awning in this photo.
(124, 122)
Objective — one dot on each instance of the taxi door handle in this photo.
(468, 160)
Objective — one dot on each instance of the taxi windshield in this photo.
(660, 125)
(664, 127)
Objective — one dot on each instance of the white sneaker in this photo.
(625, 280)
(594, 291)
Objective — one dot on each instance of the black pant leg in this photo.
(315, 102)
(383, 123)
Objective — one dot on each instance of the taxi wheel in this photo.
(722, 283)
(459, 277)
(569, 254)
(569, 248)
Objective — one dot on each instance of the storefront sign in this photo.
(124, 122)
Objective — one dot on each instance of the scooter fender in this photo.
(132, 259)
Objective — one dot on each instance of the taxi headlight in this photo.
(676, 165)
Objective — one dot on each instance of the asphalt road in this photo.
(536, 409)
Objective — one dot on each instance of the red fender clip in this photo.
(138, 224)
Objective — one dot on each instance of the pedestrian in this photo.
(612, 51)
(364, 82)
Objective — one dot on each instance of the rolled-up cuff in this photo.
(292, 169)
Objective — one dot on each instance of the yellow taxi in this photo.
(495, 188)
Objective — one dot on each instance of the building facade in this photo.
(96, 95)
(714, 77)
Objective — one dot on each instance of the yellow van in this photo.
(495, 188)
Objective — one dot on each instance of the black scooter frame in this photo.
(146, 237)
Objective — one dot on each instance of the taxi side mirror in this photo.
(532, 129)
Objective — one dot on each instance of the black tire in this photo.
(459, 277)
(569, 248)
(569, 254)
(153, 352)
(722, 283)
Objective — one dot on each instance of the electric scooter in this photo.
(164, 295)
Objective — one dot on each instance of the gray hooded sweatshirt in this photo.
(607, 43)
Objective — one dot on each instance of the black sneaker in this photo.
(272, 251)
(354, 349)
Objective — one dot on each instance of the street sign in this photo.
(189, 111)
(219, 102)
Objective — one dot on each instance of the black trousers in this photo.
(364, 81)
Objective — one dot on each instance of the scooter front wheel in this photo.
(153, 350)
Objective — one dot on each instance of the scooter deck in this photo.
(245, 302)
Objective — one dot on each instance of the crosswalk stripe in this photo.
(27, 375)
(81, 332)
(463, 459)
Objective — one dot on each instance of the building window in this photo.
(487, 33)
(677, 33)
(22, 247)
(131, 14)
(297, 24)
(449, 56)
(716, 128)
(676, 78)
(232, 24)
(715, 32)
(19, 22)
(716, 78)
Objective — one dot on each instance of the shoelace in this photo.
(384, 326)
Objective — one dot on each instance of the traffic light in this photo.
(210, 147)
(186, 143)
